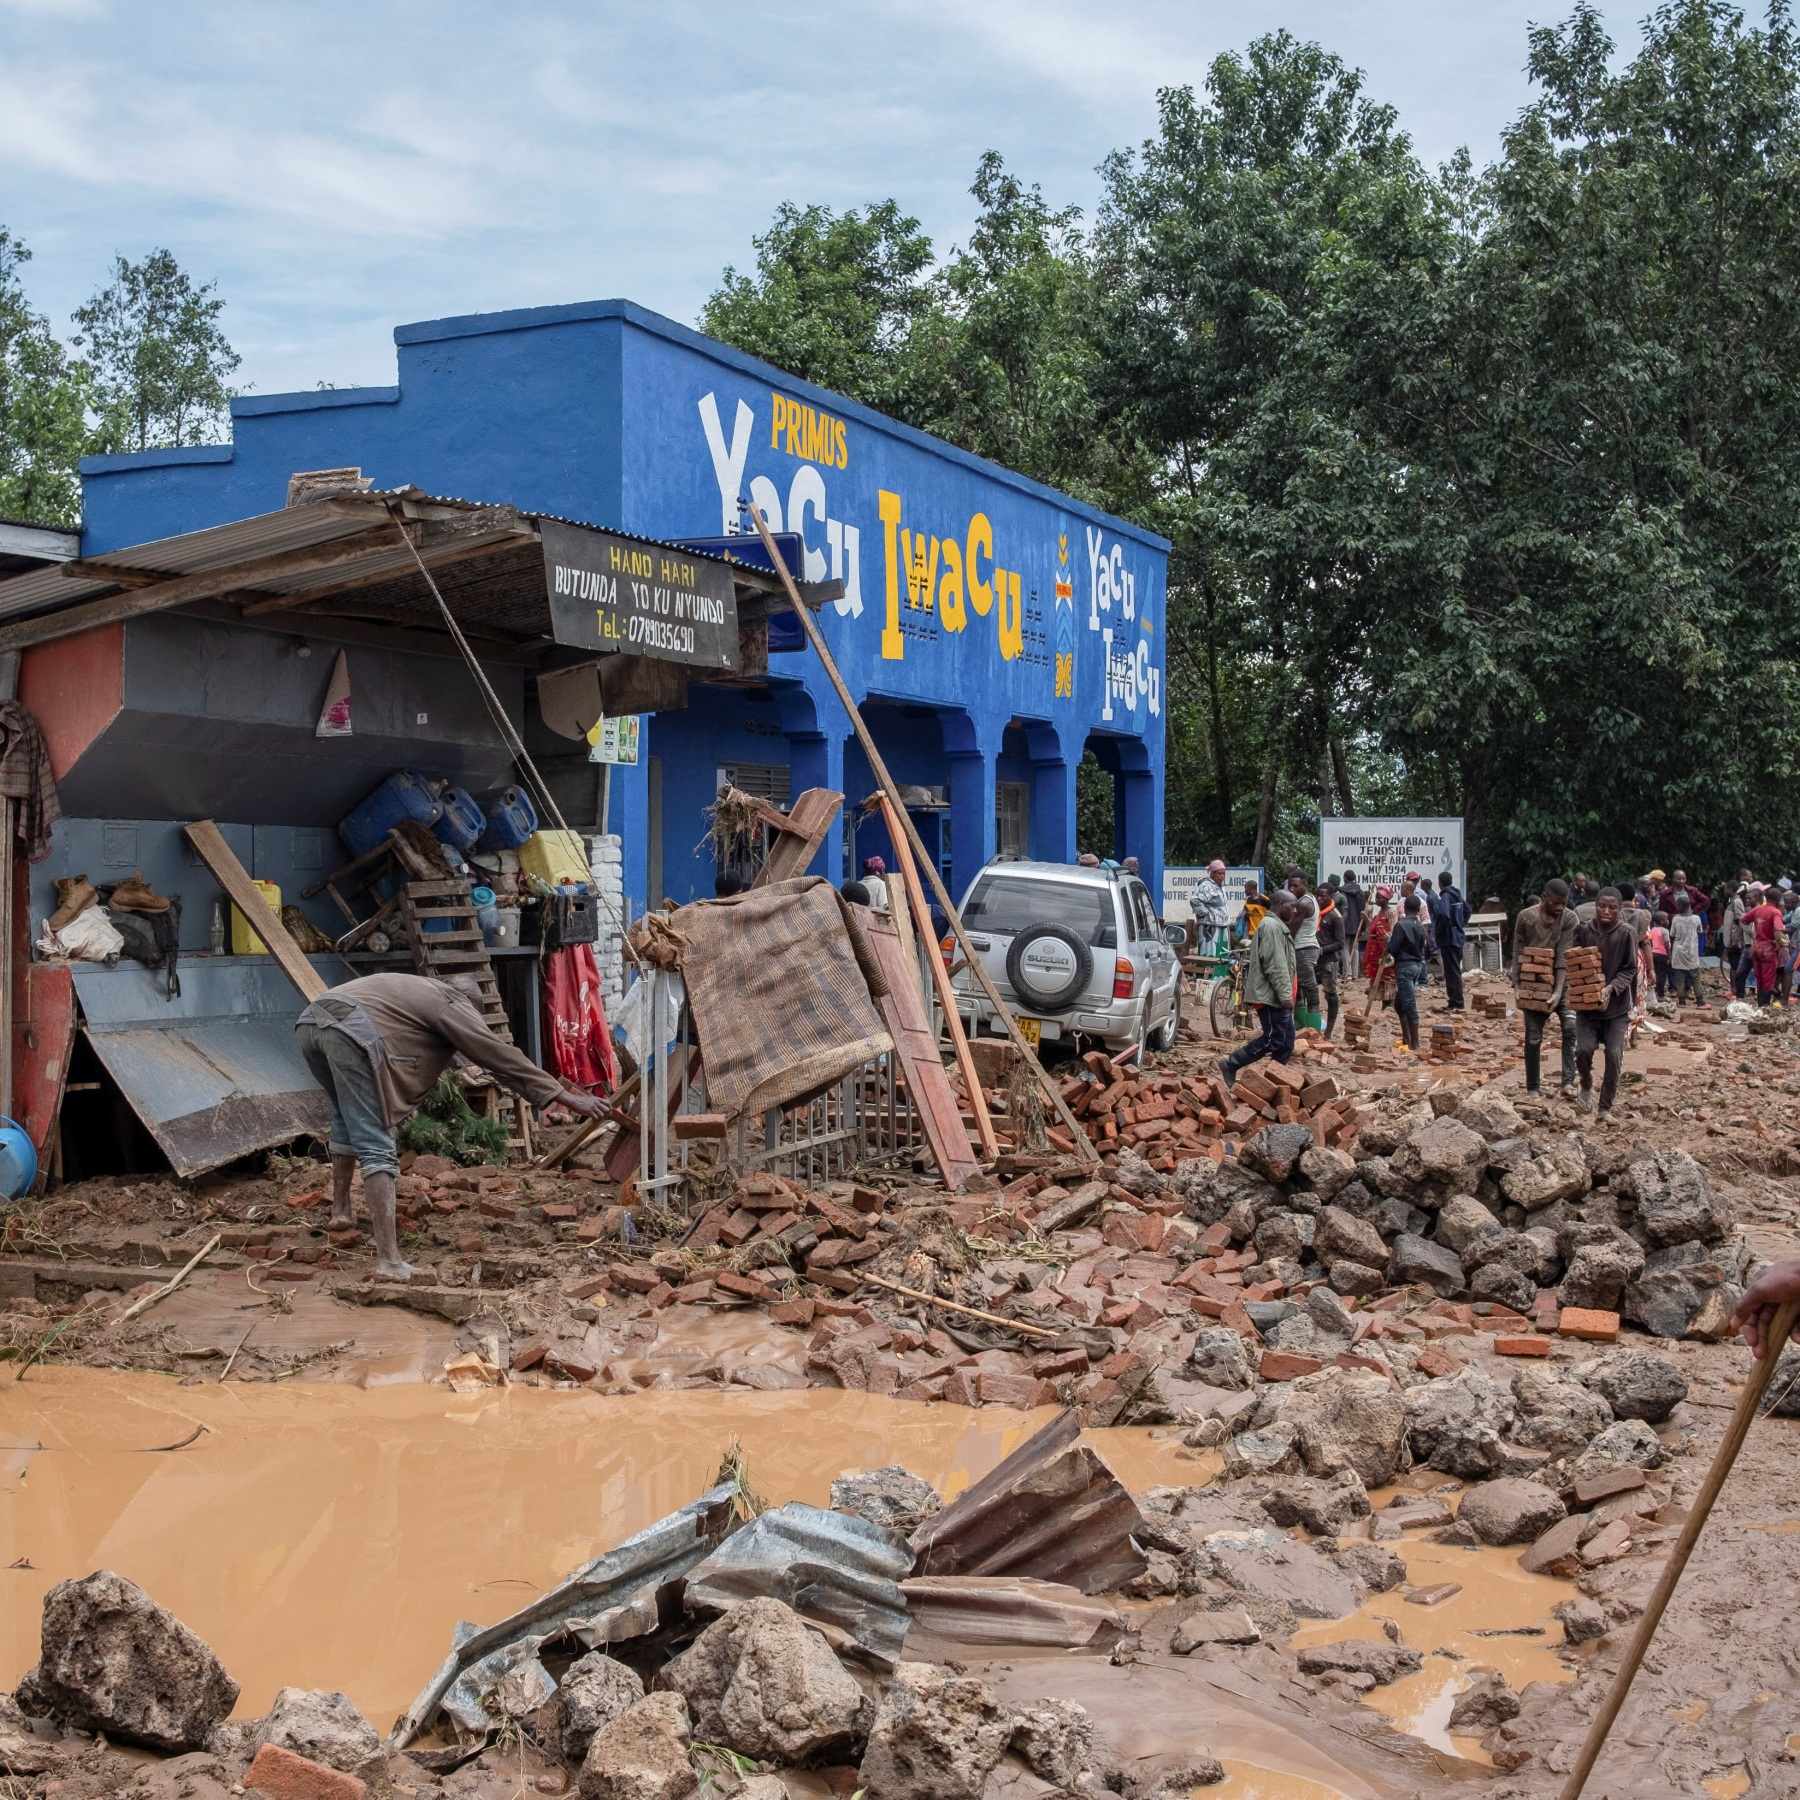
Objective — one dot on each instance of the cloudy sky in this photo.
(339, 168)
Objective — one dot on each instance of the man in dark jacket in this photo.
(1333, 940)
(1549, 924)
(1607, 1028)
(1449, 914)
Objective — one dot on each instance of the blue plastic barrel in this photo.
(404, 795)
(461, 822)
(511, 819)
(18, 1161)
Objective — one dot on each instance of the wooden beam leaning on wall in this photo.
(210, 846)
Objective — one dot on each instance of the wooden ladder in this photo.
(445, 939)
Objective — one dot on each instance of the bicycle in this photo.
(1226, 1011)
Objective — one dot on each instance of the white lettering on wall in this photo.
(728, 464)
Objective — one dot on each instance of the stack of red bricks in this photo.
(1169, 1118)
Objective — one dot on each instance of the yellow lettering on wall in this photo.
(893, 645)
(778, 410)
(796, 423)
(981, 543)
(1010, 618)
(921, 568)
(950, 589)
(843, 449)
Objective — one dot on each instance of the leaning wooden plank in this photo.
(912, 896)
(915, 1044)
(801, 834)
(1084, 1148)
(210, 846)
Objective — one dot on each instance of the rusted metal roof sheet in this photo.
(1052, 1509)
(1011, 1609)
(832, 1568)
(213, 1073)
(481, 1656)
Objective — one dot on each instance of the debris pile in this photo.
(1168, 1118)
(729, 1643)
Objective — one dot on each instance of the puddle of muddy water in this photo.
(1496, 1595)
(325, 1536)
(1244, 1781)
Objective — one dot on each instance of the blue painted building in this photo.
(993, 629)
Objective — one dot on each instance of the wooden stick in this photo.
(554, 1159)
(169, 1286)
(956, 1306)
(912, 897)
(210, 846)
(1748, 1401)
(1083, 1147)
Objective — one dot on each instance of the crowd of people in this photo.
(1654, 937)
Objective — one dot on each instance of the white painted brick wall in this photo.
(606, 862)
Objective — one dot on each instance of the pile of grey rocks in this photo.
(1455, 1195)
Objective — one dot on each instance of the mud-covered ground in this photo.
(533, 1278)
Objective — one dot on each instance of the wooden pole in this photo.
(912, 897)
(1083, 1148)
(956, 1306)
(1748, 1401)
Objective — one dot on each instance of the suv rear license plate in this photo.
(1032, 1031)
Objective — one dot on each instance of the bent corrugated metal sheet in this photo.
(1052, 1509)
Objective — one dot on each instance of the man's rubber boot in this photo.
(378, 1191)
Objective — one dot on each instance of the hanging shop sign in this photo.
(614, 740)
(641, 599)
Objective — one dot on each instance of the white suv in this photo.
(1075, 952)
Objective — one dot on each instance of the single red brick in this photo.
(1056, 1363)
(745, 1287)
(1522, 1346)
(959, 1388)
(792, 1312)
(1283, 1365)
(1590, 1323)
(1120, 1364)
(282, 1775)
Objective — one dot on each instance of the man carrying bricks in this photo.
(1606, 1017)
(1269, 980)
(1552, 925)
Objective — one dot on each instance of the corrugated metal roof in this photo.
(833, 1568)
(481, 1656)
(314, 524)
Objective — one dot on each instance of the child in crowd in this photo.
(1659, 953)
(1684, 950)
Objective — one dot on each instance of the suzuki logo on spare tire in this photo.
(1049, 967)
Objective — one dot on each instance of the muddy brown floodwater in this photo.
(331, 1536)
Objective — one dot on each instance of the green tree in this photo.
(1222, 251)
(833, 300)
(1592, 464)
(42, 407)
(158, 358)
(1004, 359)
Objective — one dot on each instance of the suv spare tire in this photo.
(1049, 967)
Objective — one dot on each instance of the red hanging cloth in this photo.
(580, 1044)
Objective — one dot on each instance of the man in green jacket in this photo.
(1269, 988)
